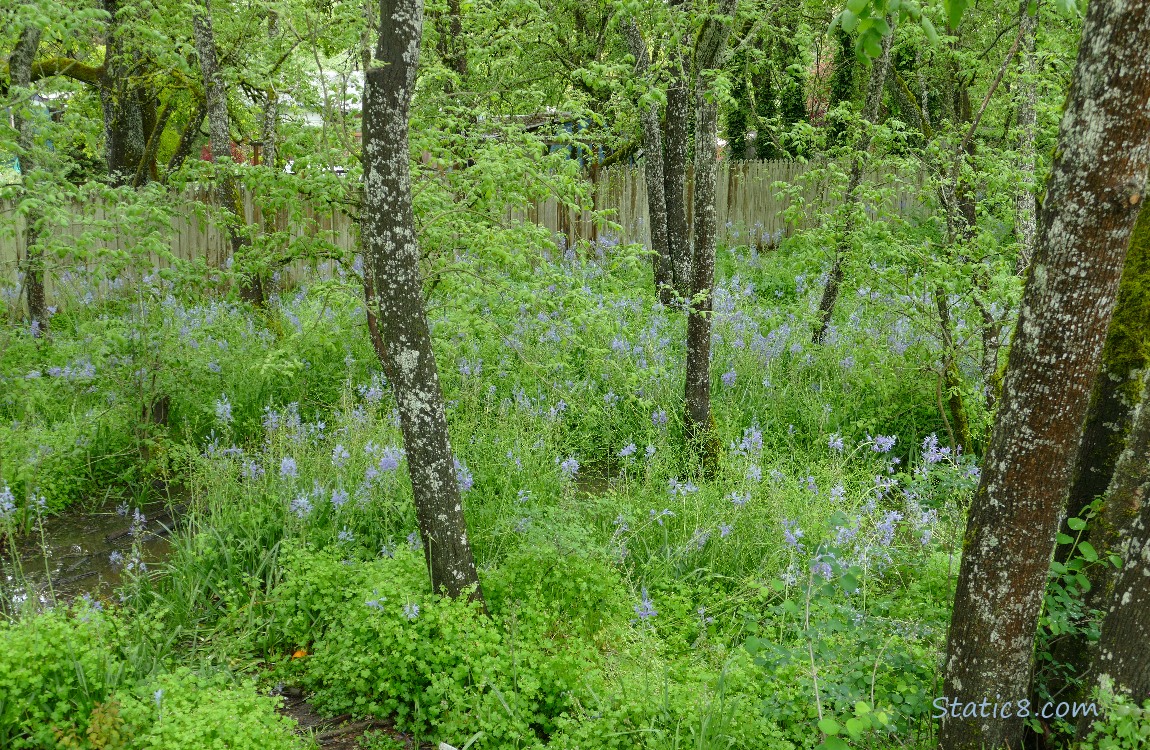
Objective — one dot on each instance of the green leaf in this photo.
(1064, 539)
(872, 44)
(929, 30)
(1116, 561)
(1076, 524)
(829, 726)
(855, 727)
(848, 20)
(856, 6)
(1087, 550)
(833, 743)
(954, 11)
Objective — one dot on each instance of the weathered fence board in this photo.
(749, 210)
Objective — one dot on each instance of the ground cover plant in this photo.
(473, 388)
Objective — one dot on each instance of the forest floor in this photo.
(632, 601)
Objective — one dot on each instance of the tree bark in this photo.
(187, 138)
(20, 65)
(850, 198)
(1122, 648)
(951, 377)
(1095, 186)
(1118, 388)
(1024, 204)
(124, 135)
(675, 173)
(395, 296)
(708, 57)
(1106, 436)
(146, 169)
(269, 125)
(219, 136)
(653, 171)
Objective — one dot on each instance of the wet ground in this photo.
(86, 553)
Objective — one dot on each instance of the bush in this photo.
(55, 669)
(182, 710)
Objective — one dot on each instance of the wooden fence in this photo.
(749, 206)
(748, 203)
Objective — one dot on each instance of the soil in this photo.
(339, 732)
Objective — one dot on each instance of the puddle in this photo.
(85, 553)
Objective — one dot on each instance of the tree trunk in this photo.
(124, 135)
(1122, 648)
(20, 67)
(709, 55)
(675, 174)
(219, 135)
(1118, 390)
(653, 171)
(1095, 185)
(187, 138)
(395, 297)
(1024, 205)
(269, 126)
(1118, 387)
(146, 169)
(951, 377)
(850, 198)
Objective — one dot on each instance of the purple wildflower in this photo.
(288, 468)
(223, 410)
(645, 608)
(463, 476)
(569, 467)
(882, 443)
(793, 534)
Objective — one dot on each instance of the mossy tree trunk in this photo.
(1117, 393)
(20, 65)
(394, 292)
(1123, 653)
(1097, 181)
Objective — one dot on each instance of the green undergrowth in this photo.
(630, 603)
